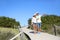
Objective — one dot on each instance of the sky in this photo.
(22, 10)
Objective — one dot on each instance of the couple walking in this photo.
(36, 22)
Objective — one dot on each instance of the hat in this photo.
(36, 13)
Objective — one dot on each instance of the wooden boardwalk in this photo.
(39, 36)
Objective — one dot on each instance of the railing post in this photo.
(19, 30)
(54, 30)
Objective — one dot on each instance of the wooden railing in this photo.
(16, 36)
(55, 29)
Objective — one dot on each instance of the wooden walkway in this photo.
(39, 36)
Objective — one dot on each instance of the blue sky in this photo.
(22, 10)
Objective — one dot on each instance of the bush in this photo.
(58, 31)
(8, 22)
(6, 35)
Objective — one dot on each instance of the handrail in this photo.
(55, 29)
(16, 36)
(56, 26)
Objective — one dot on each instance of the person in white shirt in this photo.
(34, 23)
(38, 18)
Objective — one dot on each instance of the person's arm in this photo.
(44, 15)
(32, 21)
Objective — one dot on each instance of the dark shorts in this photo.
(39, 25)
(35, 23)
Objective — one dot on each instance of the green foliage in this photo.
(58, 31)
(8, 33)
(51, 19)
(48, 22)
(8, 22)
(29, 21)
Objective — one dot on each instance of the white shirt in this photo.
(38, 18)
(34, 20)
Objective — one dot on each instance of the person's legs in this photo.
(39, 27)
(35, 27)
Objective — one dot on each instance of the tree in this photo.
(29, 23)
(8, 22)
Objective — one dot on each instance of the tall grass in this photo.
(8, 33)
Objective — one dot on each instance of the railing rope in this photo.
(16, 36)
(55, 29)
